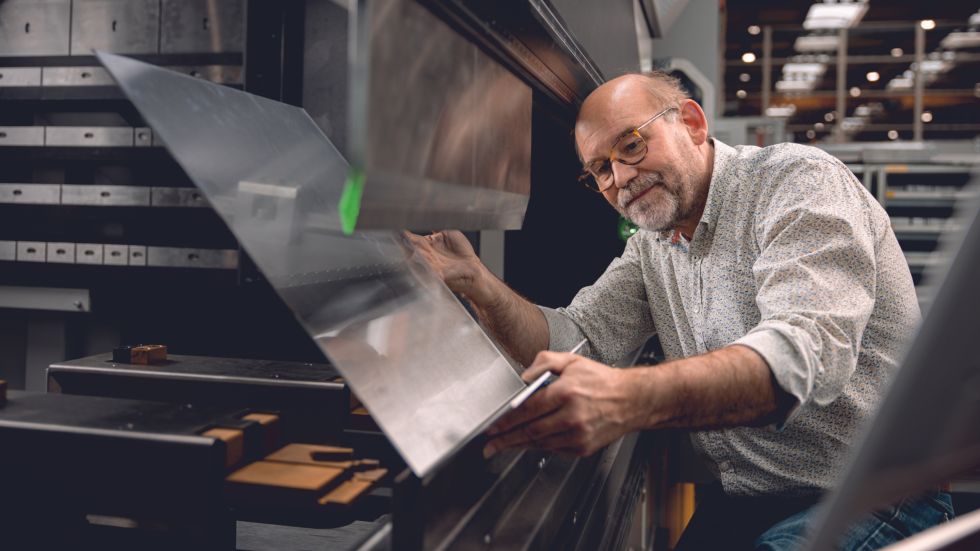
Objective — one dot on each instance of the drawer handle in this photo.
(105, 194)
(18, 192)
(3, 134)
(137, 254)
(89, 252)
(1, 75)
(61, 251)
(31, 250)
(89, 135)
(86, 74)
(27, 28)
(113, 25)
(193, 256)
(115, 253)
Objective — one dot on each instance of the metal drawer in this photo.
(30, 194)
(61, 253)
(177, 197)
(31, 251)
(21, 135)
(110, 196)
(75, 76)
(201, 26)
(89, 136)
(88, 253)
(137, 255)
(19, 76)
(174, 257)
(121, 26)
(116, 255)
(34, 27)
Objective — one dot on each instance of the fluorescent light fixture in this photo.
(893, 134)
(873, 76)
(927, 24)
(961, 39)
(748, 57)
(795, 85)
(855, 92)
(807, 71)
(897, 52)
(754, 30)
(840, 15)
(926, 116)
(781, 110)
(816, 43)
(741, 94)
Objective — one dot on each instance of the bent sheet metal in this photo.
(425, 370)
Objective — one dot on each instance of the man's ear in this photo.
(694, 121)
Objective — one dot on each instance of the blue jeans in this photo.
(771, 524)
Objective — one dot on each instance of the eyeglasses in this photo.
(629, 149)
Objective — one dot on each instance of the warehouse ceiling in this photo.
(883, 42)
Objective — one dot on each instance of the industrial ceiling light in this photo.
(927, 24)
(811, 134)
(741, 94)
(754, 30)
(744, 77)
(748, 57)
(873, 76)
(816, 43)
(839, 15)
(893, 134)
(926, 116)
(897, 52)
(808, 71)
(829, 117)
(781, 110)
(855, 92)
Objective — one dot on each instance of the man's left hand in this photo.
(582, 411)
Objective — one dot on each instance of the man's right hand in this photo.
(452, 257)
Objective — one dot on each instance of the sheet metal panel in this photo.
(202, 26)
(61, 253)
(178, 257)
(88, 253)
(115, 255)
(30, 194)
(75, 76)
(8, 250)
(34, 27)
(177, 197)
(21, 135)
(105, 196)
(429, 375)
(32, 251)
(19, 76)
(125, 26)
(88, 136)
(441, 131)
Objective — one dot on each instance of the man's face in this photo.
(659, 191)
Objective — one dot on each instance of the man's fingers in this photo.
(531, 434)
(540, 404)
(555, 362)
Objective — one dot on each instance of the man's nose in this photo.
(623, 174)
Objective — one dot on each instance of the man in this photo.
(776, 286)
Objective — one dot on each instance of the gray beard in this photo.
(650, 213)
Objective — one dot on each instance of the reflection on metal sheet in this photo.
(21, 135)
(61, 253)
(421, 365)
(175, 257)
(75, 76)
(31, 251)
(34, 27)
(30, 194)
(124, 26)
(201, 26)
(441, 130)
(88, 136)
(108, 196)
(177, 197)
(19, 76)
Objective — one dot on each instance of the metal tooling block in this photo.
(313, 405)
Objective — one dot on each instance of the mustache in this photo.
(637, 186)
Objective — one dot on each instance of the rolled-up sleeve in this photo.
(815, 277)
(613, 313)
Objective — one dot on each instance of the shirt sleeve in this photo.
(815, 277)
(613, 313)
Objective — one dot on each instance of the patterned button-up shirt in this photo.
(792, 258)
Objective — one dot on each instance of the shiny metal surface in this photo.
(88, 253)
(88, 136)
(441, 131)
(124, 26)
(201, 26)
(218, 74)
(45, 298)
(8, 250)
(21, 135)
(30, 194)
(115, 255)
(95, 195)
(428, 374)
(19, 76)
(137, 255)
(177, 197)
(34, 27)
(75, 76)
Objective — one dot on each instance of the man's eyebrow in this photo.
(618, 137)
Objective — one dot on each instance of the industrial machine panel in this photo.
(125, 26)
(21, 135)
(19, 76)
(30, 194)
(34, 27)
(199, 26)
(75, 76)
(89, 136)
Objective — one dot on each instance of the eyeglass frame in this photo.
(586, 173)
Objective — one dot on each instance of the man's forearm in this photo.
(516, 323)
(729, 387)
